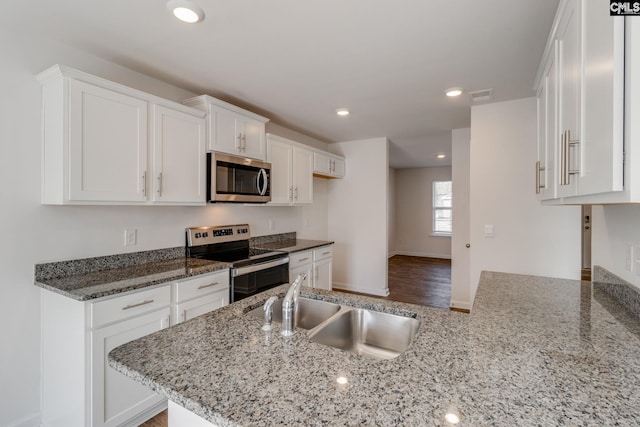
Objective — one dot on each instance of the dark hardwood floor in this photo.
(419, 280)
(416, 280)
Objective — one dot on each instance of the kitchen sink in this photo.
(368, 333)
(309, 314)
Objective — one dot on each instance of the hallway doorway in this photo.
(420, 280)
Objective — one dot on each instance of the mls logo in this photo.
(618, 8)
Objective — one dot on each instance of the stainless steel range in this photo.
(253, 270)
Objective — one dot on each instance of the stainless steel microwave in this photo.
(237, 179)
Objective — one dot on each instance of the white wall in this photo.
(529, 238)
(358, 217)
(391, 214)
(32, 233)
(614, 229)
(414, 213)
(460, 254)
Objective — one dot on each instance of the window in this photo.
(442, 198)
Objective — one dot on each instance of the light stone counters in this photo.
(87, 284)
(534, 351)
(294, 245)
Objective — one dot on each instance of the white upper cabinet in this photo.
(546, 171)
(291, 172)
(582, 162)
(326, 165)
(179, 158)
(231, 129)
(104, 143)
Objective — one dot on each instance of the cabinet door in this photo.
(117, 398)
(201, 305)
(547, 129)
(601, 168)
(107, 145)
(338, 167)
(303, 268)
(321, 164)
(178, 157)
(280, 155)
(302, 176)
(222, 131)
(570, 67)
(322, 274)
(253, 141)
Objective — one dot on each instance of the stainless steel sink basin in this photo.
(368, 333)
(309, 314)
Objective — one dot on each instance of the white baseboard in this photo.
(424, 254)
(371, 291)
(462, 305)
(32, 420)
(392, 254)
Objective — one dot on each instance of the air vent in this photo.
(480, 96)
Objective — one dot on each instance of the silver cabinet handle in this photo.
(303, 259)
(207, 286)
(326, 253)
(160, 184)
(571, 143)
(565, 158)
(244, 142)
(239, 144)
(290, 193)
(538, 170)
(183, 315)
(127, 307)
(144, 183)
(296, 194)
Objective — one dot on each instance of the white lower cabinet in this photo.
(199, 295)
(118, 399)
(79, 389)
(316, 264)
(322, 268)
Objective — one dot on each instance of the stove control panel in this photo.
(197, 236)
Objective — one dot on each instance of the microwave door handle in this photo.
(262, 174)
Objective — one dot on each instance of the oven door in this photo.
(236, 179)
(256, 278)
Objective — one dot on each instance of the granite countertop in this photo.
(294, 245)
(91, 285)
(534, 351)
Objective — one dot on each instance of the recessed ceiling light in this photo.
(454, 91)
(186, 11)
(441, 156)
(342, 112)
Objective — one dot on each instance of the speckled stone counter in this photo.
(534, 351)
(92, 278)
(295, 245)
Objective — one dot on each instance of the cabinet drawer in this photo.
(323, 253)
(300, 258)
(201, 285)
(199, 306)
(129, 305)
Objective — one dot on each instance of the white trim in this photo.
(439, 235)
(424, 254)
(28, 421)
(370, 291)
(463, 305)
(390, 254)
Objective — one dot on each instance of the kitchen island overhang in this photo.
(533, 349)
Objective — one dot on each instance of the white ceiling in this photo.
(296, 61)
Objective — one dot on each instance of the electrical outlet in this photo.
(130, 236)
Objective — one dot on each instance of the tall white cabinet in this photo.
(581, 97)
(105, 143)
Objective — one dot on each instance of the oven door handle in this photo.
(262, 174)
(257, 267)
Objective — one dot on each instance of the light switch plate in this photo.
(489, 230)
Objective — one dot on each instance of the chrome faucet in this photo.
(268, 313)
(289, 305)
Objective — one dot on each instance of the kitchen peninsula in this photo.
(534, 351)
